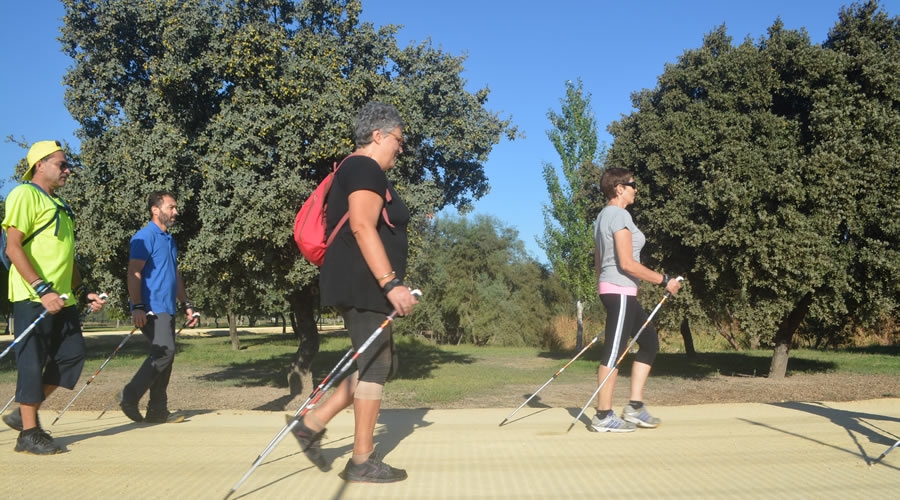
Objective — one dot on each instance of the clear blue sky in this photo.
(524, 54)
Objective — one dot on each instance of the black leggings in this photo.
(379, 361)
(624, 317)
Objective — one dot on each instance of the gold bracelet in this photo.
(387, 276)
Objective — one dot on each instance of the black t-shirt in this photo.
(345, 280)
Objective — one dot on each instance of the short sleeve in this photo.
(139, 248)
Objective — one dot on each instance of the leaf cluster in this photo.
(480, 286)
(769, 170)
(240, 108)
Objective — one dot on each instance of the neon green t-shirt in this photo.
(52, 251)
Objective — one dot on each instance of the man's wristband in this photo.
(43, 288)
(138, 307)
(665, 280)
(187, 305)
(390, 285)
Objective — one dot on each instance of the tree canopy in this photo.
(484, 287)
(240, 108)
(768, 174)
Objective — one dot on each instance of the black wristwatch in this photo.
(390, 285)
(665, 280)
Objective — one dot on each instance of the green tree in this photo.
(480, 286)
(240, 108)
(568, 219)
(762, 166)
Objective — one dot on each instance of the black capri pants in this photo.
(624, 317)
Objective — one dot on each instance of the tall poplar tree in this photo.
(568, 220)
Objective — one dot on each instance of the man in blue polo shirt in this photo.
(155, 286)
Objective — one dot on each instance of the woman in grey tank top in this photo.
(617, 259)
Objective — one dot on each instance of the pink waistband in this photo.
(616, 289)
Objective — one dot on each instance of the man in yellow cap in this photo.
(40, 245)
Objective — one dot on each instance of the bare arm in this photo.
(365, 210)
(181, 294)
(633, 268)
(133, 281)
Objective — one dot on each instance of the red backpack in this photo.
(309, 224)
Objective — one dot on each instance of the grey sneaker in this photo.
(641, 417)
(37, 442)
(372, 470)
(611, 423)
(310, 443)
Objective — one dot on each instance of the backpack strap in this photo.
(346, 217)
(65, 206)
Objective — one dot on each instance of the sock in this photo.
(601, 414)
(360, 457)
(637, 405)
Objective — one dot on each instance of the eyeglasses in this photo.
(398, 137)
(633, 184)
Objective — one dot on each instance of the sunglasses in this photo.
(633, 184)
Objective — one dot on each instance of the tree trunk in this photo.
(303, 320)
(579, 333)
(283, 324)
(783, 337)
(688, 339)
(232, 331)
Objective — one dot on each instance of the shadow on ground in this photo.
(704, 365)
(417, 360)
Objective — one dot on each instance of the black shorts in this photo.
(379, 361)
(52, 353)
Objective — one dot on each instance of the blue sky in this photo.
(524, 54)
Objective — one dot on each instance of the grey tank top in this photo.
(610, 220)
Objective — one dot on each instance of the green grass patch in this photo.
(432, 375)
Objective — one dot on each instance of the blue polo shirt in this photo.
(158, 279)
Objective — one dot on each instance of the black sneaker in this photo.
(129, 409)
(37, 442)
(14, 419)
(166, 417)
(310, 443)
(372, 470)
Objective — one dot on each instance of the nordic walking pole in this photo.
(149, 313)
(541, 388)
(294, 421)
(111, 356)
(874, 461)
(616, 364)
(87, 310)
(28, 330)
(300, 411)
(13, 398)
(19, 338)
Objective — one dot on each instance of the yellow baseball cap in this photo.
(38, 151)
